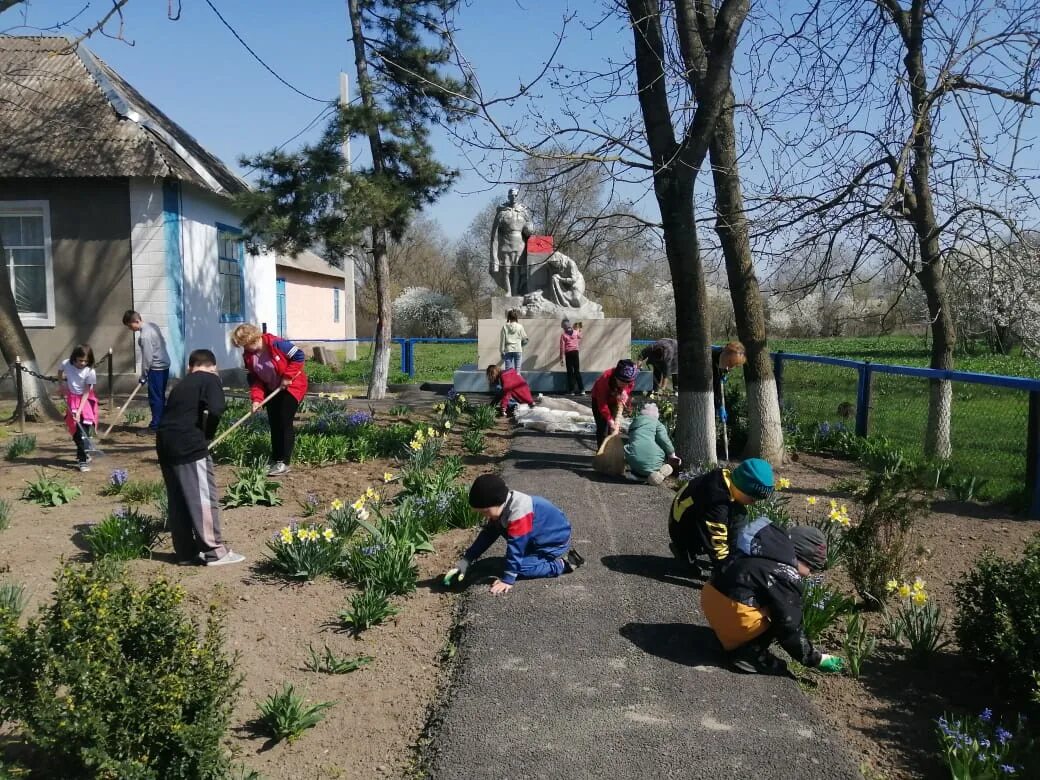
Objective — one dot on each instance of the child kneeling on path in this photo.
(538, 535)
(188, 423)
(709, 511)
(757, 598)
(509, 387)
(649, 447)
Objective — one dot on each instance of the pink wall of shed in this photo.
(308, 305)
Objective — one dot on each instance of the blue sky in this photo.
(196, 71)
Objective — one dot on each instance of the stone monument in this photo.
(509, 234)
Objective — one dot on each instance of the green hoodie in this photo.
(648, 445)
(512, 338)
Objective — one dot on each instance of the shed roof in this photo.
(65, 113)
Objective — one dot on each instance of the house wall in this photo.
(90, 249)
(200, 212)
(309, 305)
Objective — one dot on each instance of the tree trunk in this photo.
(765, 432)
(940, 391)
(14, 342)
(381, 352)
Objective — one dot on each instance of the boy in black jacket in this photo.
(188, 423)
(757, 598)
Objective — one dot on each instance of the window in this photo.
(230, 262)
(26, 234)
(335, 304)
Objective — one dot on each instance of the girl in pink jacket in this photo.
(570, 346)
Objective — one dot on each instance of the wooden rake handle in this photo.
(119, 414)
(244, 417)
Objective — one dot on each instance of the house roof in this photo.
(309, 262)
(65, 113)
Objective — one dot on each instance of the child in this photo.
(758, 598)
(570, 344)
(538, 535)
(511, 342)
(649, 447)
(188, 423)
(155, 363)
(610, 394)
(511, 385)
(81, 412)
(707, 514)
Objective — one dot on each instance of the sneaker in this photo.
(754, 660)
(572, 560)
(84, 465)
(278, 469)
(655, 479)
(198, 560)
(231, 557)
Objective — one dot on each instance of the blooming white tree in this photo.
(419, 311)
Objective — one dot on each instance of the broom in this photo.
(610, 457)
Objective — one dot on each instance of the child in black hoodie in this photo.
(188, 423)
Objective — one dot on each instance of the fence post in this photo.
(864, 399)
(1033, 455)
(411, 358)
(778, 377)
(111, 395)
(18, 393)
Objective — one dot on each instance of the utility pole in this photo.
(349, 310)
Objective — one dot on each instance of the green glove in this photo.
(457, 572)
(832, 664)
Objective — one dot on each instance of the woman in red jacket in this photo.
(273, 363)
(610, 393)
(513, 386)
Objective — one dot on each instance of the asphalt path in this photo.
(611, 672)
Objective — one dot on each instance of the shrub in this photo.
(252, 488)
(12, 600)
(5, 514)
(998, 616)
(133, 416)
(473, 441)
(392, 570)
(916, 623)
(482, 417)
(283, 715)
(305, 552)
(20, 445)
(421, 311)
(328, 662)
(821, 607)
(979, 747)
(401, 410)
(143, 694)
(142, 491)
(859, 643)
(422, 481)
(124, 535)
(49, 491)
(877, 548)
(368, 608)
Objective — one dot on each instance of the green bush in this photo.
(124, 535)
(20, 445)
(821, 607)
(482, 417)
(49, 491)
(142, 491)
(998, 616)
(252, 488)
(473, 441)
(113, 680)
(327, 662)
(12, 600)
(283, 715)
(368, 608)
(305, 552)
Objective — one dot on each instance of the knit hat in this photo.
(810, 546)
(566, 323)
(488, 490)
(753, 478)
(650, 410)
(626, 371)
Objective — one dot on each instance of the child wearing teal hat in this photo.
(710, 510)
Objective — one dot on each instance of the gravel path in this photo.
(611, 672)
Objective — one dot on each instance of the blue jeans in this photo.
(157, 379)
(543, 563)
(511, 360)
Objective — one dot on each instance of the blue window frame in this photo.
(335, 304)
(230, 273)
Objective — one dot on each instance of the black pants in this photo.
(573, 361)
(602, 426)
(693, 538)
(281, 411)
(81, 452)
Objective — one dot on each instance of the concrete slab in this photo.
(604, 343)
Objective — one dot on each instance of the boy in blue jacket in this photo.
(538, 535)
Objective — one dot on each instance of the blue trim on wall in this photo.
(224, 318)
(174, 276)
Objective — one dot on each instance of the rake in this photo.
(244, 417)
(119, 414)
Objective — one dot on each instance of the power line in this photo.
(257, 57)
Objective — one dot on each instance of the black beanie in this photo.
(488, 490)
(810, 546)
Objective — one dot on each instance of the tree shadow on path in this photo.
(680, 643)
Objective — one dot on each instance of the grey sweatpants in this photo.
(194, 510)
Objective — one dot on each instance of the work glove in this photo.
(457, 572)
(832, 664)
(143, 380)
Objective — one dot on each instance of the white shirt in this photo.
(78, 379)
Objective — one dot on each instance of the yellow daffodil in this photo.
(892, 585)
(460, 399)
(286, 535)
(314, 535)
(834, 504)
(329, 534)
(904, 591)
(371, 494)
(845, 521)
(783, 483)
(362, 514)
(302, 534)
(388, 477)
(359, 504)
(336, 504)
(430, 432)
(416, 445)
(447, 425)
(844, 509)
(920, 598)
(918, 585)
(811, 500)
